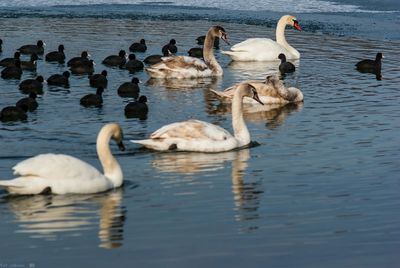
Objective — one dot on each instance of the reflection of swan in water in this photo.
(192, 162)
(50, 216)
(246, 194)
(259, 69)
(253, 69)
(177, 84)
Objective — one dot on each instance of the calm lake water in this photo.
(321, 189)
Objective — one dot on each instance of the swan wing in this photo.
(252, 44)
(191, 129)
(56, 166)
(180, 62)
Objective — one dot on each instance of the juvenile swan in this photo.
(265, 49)
(190, 67)
(270, 91)
(64, 174)
(200, 136)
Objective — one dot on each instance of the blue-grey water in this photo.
(321, 189)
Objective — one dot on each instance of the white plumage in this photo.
(265, 49)
(270, 91)
(62, 174)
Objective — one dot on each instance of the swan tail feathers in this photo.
(155, 144)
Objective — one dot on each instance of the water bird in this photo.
(270, 91)
(31, 64)
(129, 89)
(138, 47)
(170, 48)
(56, 56)
(9, 62)
(265, 49)
(133, 64)
(32, 85)
(371, 66)
(200, 41)
(200, 136)
(29, 102)
(116, 60)
(98, 80)
(137, 108)
(13, 113)
(196, 52)
(190, 67)
(33, 49)
(59, 79)
(80, 69)
(153, 59)
(82, 60)
(13, 72)
(95, 100)
(285, 66)
(65, 174)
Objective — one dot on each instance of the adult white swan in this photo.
(200, 136)
(191, 67)
(63, 174)
(265, 49)
(270, 91)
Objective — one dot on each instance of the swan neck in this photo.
(280, 31)
(281, 39)
(111, 168)
(208, 54)
(240, 130)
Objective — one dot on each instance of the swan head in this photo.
(249, 91)
(221, 33)
(379, 56)
(292, 21)
(117, 135)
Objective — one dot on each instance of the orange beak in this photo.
(296, 25)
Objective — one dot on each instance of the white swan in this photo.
(265, 49)
(191, 67)
(200, 136)
(270, 91)
(63, 174)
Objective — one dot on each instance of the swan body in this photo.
(270, 91)
(189, 67)
(200, 136)
(265, 49)
(64, 174)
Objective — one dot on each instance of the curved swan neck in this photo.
(111, 168)
(208, 53)
(280, 36)
(239, 126)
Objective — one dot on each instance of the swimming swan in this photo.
(265, 49)
(190, 67)
(270, 91)
(64, 174)
(200, 136)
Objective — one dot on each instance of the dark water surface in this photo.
(320, 190)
